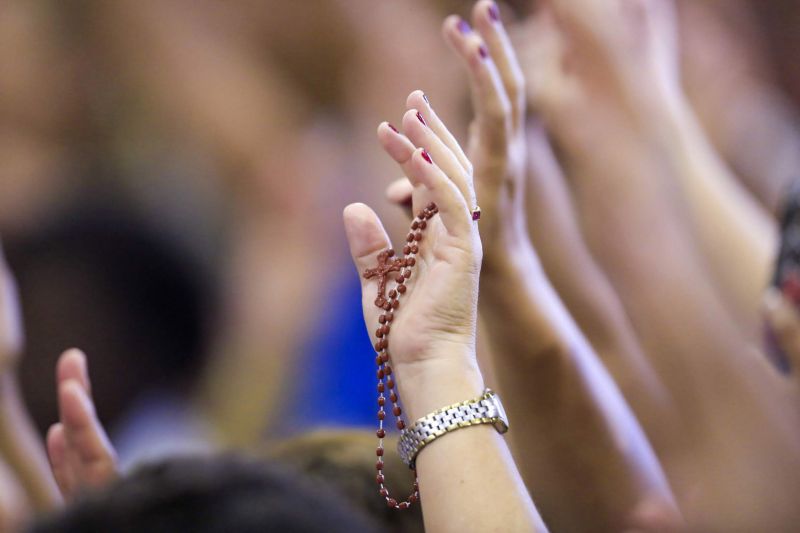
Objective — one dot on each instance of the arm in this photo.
(433, 346)
(560, 396)
(20, 445)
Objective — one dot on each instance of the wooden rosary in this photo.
(387, 264)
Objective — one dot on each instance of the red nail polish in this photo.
(484, 53)
(426, 156)
(392, 128)
(464, 27)
(419, 116)
(494, 13)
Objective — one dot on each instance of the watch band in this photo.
(485, 409)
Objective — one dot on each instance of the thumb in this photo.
(365, 235)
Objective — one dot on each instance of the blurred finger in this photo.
(400, 192)
(486, 18)
(85, 435)
(489, 98)
(72, 365)
(57, 453)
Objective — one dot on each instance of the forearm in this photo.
(560, 397)
(736, 235)
(468, 479)
(22, 448)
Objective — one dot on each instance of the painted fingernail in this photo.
(426, 156)
(419, 117)
(392, 128)
(494, 13)
(425, 97)
(484, 53)
(463, 26)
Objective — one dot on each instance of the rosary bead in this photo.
(387, 370)
(381, 400)
(390, 381)
(415, 225)
(381, 414)
(431, 206)
(402, 505)
(406, 249)
(399, 278)
(379, 465)
(401, 289)
(413, 498)
(381, 387)
(418, 236)
(393, 397)
(381, 433)
(384, 493)
(379, 346)
(382, 319)
(386, 329)
(410, 237)
(390, 253)
(395, 304)
(384, 357)
(386, 306)
(380, 373)
(423, 224)
(391, 502)
(389, 317)
(401, 425)
(379, 453)
(379, 332)
(407, 274)
(380, 479)
(414, 249)
(410, 261)
(392, 294)
(396, 411)
(378, 360)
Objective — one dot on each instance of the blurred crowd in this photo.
(173, 177)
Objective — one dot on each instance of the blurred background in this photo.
(173, 173)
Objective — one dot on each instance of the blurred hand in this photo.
(81, 456)
(437, 317)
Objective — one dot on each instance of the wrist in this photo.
(430, 384)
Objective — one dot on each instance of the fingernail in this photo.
(484, 53)
(463, 26)
(419, 116)
(425, 97)
(494, 13)
(426, 156)
(392, 128)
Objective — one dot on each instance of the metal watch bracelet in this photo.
(485, 409)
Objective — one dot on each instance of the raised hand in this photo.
(433, 331)
(81, 456)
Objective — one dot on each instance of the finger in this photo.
(419, 100)
(784, 321)
(72, 365)
(486, 18)
(421, 135)
(453, 210)
(489, 99)
(365, 235)
(400, 193)
(84, 433)
(401, 149)
(57, 453)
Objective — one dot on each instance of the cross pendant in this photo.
(385, 266)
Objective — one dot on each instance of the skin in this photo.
(81, 455)
(20, 447)
(637, 181)
(433, 340)
(555, 388)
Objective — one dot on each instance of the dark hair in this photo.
(134, 301)
(220, 494)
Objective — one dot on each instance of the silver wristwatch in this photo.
(485, 409)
